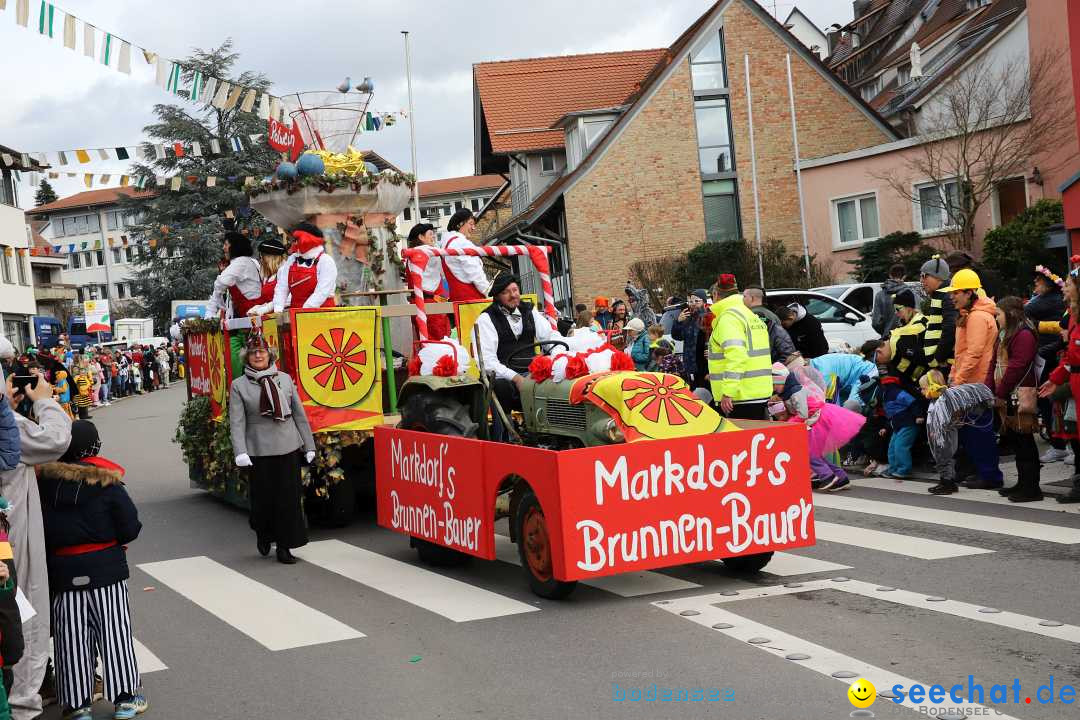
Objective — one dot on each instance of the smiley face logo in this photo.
(862, 693)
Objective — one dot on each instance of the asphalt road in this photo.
(242, 636)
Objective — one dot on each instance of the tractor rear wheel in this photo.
(534, 549)
(441, 415)
(748, 563)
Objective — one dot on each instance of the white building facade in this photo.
(91, 231)
(17, 305)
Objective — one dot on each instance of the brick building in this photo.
(656, 144)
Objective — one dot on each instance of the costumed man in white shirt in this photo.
(308, 278)
(464, 274)
(236, 290)
(509, 324)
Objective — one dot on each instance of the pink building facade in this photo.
(849, 199)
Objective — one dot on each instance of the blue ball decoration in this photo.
(310, 165)
(286, 171)
(371, 168)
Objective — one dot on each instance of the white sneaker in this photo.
(881, 470)
(1053, 455)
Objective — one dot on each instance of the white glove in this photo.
(242, 460)
(309, 456)
(261, 309)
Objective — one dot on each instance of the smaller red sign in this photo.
(198, 362)
(285, 138)
(431, 487)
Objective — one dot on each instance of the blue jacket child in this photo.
(903, 411)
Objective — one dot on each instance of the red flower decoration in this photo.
(576, 367)
(656, 394)
(414, 365)
(340, 359)
(446, 366)
(621, 361)
(540, 368)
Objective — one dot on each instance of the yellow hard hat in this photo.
(964, 280)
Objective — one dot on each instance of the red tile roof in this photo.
(522, 99)
(106, 196)
(447, 186)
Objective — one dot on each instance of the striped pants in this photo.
(88, 624)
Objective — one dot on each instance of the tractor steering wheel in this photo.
(514, 360)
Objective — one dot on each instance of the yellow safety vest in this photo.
(740, 360)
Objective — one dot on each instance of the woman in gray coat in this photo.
(271, 435)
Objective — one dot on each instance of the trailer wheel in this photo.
(441, 415)
(748, 563)
(534, 549)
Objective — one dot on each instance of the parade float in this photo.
(605, 470)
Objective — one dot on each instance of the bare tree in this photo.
(990, 122)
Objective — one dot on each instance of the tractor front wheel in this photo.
(534, 549)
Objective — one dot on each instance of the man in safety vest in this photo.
(740, 362)
(940, 316)
(906, 341)
(464, 274)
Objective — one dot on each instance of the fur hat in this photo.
(502, 281)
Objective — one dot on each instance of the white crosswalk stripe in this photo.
(267, 616)
(459, 601)
(894, 543)
(148, 661)
(952, 518)
(787, 564)
(982, 496)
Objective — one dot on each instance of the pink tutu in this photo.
(834, 428)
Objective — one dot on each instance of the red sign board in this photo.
(285, 138)
(612, 509)
(432, 487)
(198, 362)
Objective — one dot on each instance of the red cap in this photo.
(726, 281)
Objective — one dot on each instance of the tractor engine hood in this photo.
(645, 405)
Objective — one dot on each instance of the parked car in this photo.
(861, 295)
(845, 327)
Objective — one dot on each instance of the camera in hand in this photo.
(678, 307)
(22, 382)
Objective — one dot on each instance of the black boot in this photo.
(285, 557)
(945, 487)
(264, 547)
(1027, 483)
(1073, 496)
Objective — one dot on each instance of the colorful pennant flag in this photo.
(22, 12)
(178, 148)
(124, 61)
(236, 145)
(83, 156)
(45, 18)
(121, 153)
(89, 36)
(69, 32)
(106, 49)
(196, 149)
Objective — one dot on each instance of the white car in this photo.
(845, 327)
(861, 295)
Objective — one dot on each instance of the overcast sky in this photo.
(56, 99)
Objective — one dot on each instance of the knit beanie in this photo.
(938, 268)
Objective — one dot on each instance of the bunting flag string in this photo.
(82, 156)
(116, 53)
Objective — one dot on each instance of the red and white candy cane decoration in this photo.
(417, 258)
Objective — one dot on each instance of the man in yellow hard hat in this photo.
(976, 336)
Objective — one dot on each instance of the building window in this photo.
(100, 254)
(120, 290)
(938, 205)
(594, 130)
(547, 163)
(903, 75)
(80, 294)
(475, 204)
(69, 226)
(707, 65)
(103, 292)
(7, 264)
(93, 222)
(714, 135)
(856, 219)
(407, 213)
(20, 266)
(75, 262)
(721, 211)
(112, 220)
(57, 228)
(129, 254)
(116, 256)
(88, 259)
(871, 90)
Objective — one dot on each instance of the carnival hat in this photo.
(272, 246)
(727, 283)
(1045, 272)
(905, 298)
(936, 267)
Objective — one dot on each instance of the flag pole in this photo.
(753, 172)
(798, 169)
(412, 129)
